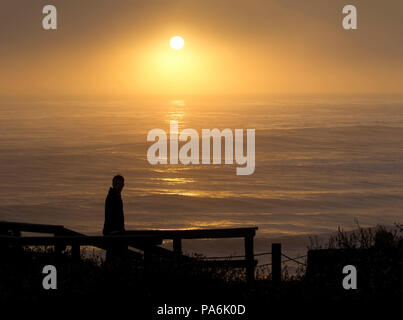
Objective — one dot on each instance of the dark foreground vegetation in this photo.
(377, 254)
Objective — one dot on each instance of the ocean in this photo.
(321, 162)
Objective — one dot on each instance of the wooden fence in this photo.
(147, 241)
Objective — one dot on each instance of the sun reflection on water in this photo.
(176, 111)
(174, 180)
(178, 102)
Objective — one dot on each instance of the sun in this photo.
(177, 43)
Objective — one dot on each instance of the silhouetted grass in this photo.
(377, 255)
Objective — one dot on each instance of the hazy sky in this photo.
(231, 46)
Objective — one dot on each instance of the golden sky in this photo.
(231, 47)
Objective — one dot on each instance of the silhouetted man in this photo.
(114, 216)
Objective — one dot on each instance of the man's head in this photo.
(118, 182)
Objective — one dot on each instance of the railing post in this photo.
(276, 262)
(57, 247)
(177, 247)
(250, 259)
(3, 246)
(147, 259)
(75, 252)
(17, 233)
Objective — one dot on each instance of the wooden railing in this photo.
(177, 236)
(145, 240)
(71, 238)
